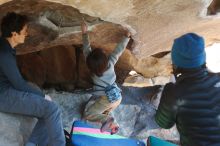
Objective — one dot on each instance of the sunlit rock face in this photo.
(153, 24)
(156, 22)
(49, 54)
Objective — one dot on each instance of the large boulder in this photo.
(140, 102)
(135, 115)
(15, 129)
(154, 26)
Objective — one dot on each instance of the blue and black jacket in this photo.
(193, 104)
(10, 76)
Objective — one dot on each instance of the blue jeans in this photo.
(49, 129)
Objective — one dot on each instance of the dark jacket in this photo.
(10, 76)
(193, 104)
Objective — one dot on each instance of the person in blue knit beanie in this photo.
(188, 51)
(193, 101)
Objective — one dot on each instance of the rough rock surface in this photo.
(153, 23)
(156, 22)
(137, 101)
(15, 129)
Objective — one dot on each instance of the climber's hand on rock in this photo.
(128, 34)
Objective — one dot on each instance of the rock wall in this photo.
(15, 129)
(140, 102)
(153, 23)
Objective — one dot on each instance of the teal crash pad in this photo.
(153, 141)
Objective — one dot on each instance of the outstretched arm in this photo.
(166, 113)
(85, 38)
(119, 49)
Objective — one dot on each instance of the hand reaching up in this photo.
(84, 27)
(127, 34)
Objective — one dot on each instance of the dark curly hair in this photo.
(97, 62)
(12, 22)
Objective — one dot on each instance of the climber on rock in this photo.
(105, 89)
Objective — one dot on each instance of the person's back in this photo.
(197, 99)
(105, 89)
(193, 102)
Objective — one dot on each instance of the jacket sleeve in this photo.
(119, 50)
(166, 112)
(9, 68)
(86, 44)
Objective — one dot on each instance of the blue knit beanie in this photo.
(188, 51)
